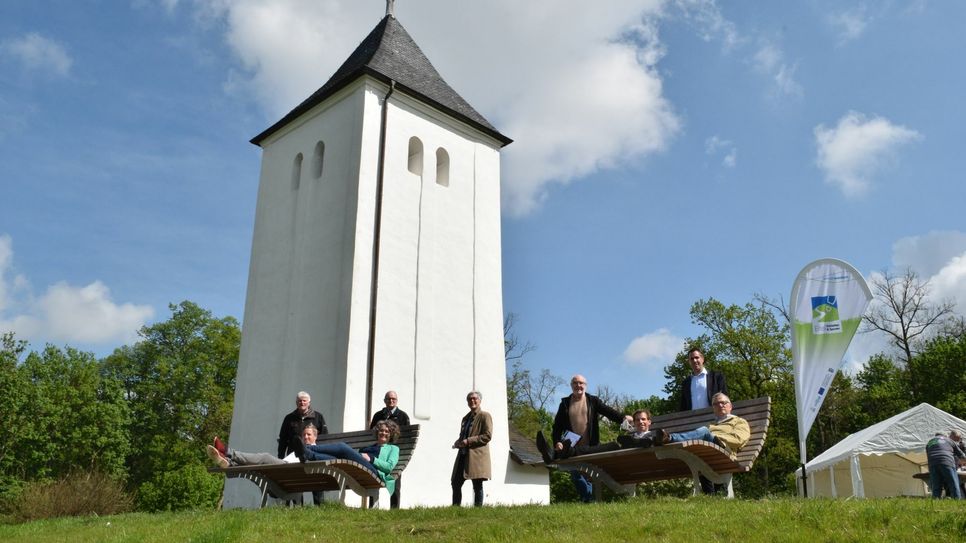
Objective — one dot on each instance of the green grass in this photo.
(812, 521)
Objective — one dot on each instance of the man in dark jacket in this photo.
(292, 425)
(393, 413)
(698, 389)
(293, 422)
(577, 416)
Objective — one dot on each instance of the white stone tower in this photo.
(376, 265)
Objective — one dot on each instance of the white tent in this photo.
(880, 460)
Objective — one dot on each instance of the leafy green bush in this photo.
(91, 493)
(190, 487)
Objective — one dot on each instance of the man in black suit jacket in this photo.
(393, 413)
(696, 393)
(702, 382)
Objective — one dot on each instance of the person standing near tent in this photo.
(941, 455)
(958, 439)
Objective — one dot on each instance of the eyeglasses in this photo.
(721, 403)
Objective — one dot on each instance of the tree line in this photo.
(141, 415)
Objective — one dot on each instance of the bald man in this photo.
(578, 413)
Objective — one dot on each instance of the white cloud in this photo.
(654, 348)
(715, 146)
(64, 313)
(770, 61)
(852, 152)
(950, 283)
(36, 52)
(708, 21)
(577, 89)
(929, 253)
(938, 257)
(849, 24)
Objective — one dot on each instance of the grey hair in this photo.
(302, 394)
(475, 393)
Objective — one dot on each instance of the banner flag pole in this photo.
(828, 299)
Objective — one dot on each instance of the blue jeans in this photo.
(944, 477)
(701, 433)
(584, 489)
(333, 451)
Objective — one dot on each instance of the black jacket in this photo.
(716, 384)
(595, 407)
(399, 417)
(292, 429)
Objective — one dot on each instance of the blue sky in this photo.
(665, 152)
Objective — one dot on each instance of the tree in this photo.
(749, 344)
(903, 312)
(179, 381)
(14, 417)
(940, 370)
(78, 417)
(883, 390)
(512, 349)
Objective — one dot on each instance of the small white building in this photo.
(376, 265)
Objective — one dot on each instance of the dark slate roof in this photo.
(523, 449)
(389, 53)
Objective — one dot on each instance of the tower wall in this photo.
(439, 324)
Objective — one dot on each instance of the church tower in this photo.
(376, 265)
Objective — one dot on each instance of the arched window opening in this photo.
(297, 171)
(415, 156)
(317, 160)
(442, 167)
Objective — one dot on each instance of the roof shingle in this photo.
(388, 53)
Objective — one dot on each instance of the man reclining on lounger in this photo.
(642, 436)
(729, 431)
(223, 456)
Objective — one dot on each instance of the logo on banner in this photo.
(825, 315)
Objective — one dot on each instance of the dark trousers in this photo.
(459, 468)
(709, 488)
(394, 499)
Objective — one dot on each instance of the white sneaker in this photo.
(217, 457)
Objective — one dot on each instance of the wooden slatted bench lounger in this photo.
(285, 481)
(621, 470)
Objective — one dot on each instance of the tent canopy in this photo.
(899, 441)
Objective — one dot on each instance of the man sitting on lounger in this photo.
(729, 431)
(642, 436)
(224, 456)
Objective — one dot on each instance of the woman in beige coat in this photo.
(473, 451)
